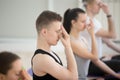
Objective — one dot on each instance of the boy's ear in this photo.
(43, 31)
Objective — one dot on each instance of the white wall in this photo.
(60, 6)
(17, 17)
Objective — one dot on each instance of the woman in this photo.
(74, 23)
(11, 67)
(46, 65)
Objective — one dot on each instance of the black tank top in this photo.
(47, 76)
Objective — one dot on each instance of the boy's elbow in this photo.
(74, 76)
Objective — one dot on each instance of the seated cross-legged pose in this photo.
(75, 22)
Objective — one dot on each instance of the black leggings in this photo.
(114, 64)
(116, 57)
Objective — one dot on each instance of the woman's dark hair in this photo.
(6, 60)
(69, 15)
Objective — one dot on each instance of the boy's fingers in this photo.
(64, 31)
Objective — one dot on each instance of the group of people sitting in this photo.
(81, 35)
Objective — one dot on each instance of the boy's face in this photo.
(53, 32)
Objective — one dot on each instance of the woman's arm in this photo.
(111, 44)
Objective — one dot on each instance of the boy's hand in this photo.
(65, 37)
